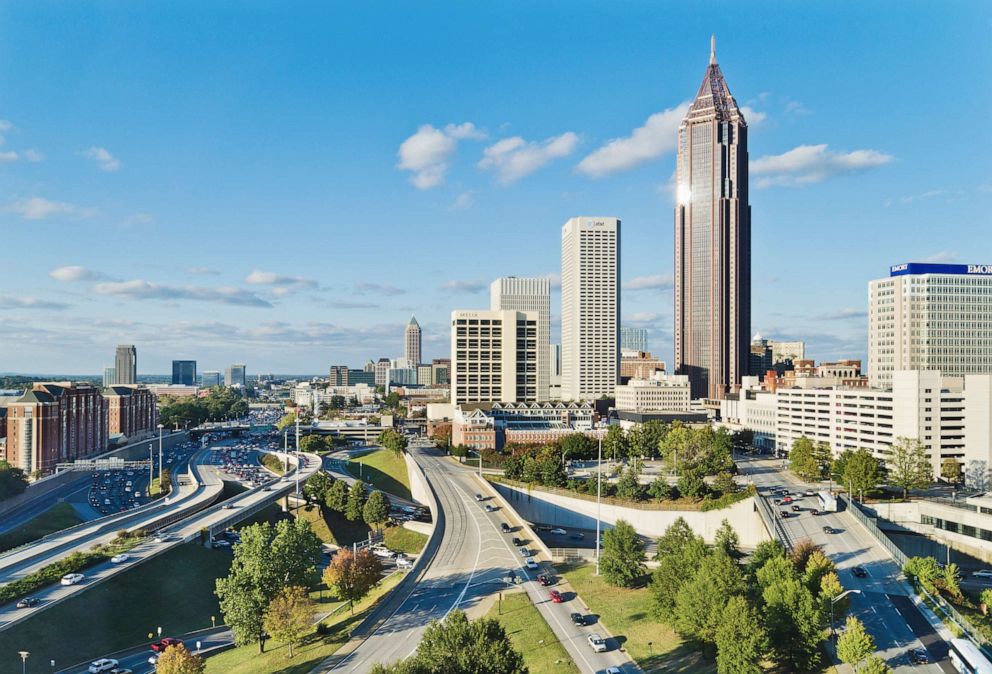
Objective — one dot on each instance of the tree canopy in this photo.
(352, 575)
(622, 556)
(908, 465)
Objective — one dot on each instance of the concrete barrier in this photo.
(418, 484)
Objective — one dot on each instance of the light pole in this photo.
(298, 461)
(160, 457)
(599, 495)
(24, 660)
(151, 465)
(833, 601)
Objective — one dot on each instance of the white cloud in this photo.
(428, 153)
(76, 273)
(653, 282)
(33, 156)
(8, 157)
(513, 158)
(463, 286)
(942, 256)
(841, 314)
(554, 279)
(103, 157)
(813, 163)
(202, 271)
(463, 201)
(753, 117)
(268, 278)
(363, 287)
(643, 317)
(5, 126)
(10, 302)
(796, 108)
(39, 208)
(656, 137)
(138, 289)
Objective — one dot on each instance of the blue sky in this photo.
(244, 182)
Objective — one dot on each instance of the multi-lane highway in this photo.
(883, 605)
(472, 562)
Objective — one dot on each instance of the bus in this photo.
(967, 659)
(828, 503)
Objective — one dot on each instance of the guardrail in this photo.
(772, 523)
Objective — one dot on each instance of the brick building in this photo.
(55, 422)
(131, 410)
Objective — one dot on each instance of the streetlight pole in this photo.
(24, 660)
(833, 601)
(298, 461)
(151, 465)
(160, 457)
(599, 496)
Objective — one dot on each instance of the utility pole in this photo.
(160, 457)
(599, 496)
(151, 466)
(297, 462)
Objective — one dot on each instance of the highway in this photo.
(884, 606)
(470, 564)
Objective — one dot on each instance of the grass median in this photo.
(60, 516)
(404, 540)
(531, 635)
(273, 463)
(174, 590)
(385, 470)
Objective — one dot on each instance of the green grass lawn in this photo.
(333, 527)
(404, 540)
(627, 614)
(174, 590)
(531, 635)
(384, 469)
(59, 516)
(306, 656)
(273, 463)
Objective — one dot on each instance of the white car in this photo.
(120, 559)
(382, 552)
(403, 563)
(524, 552)
(531, 564)
(558, 531)
(72, 579)
(153, 660)
(984, 573)
(612, 670)
(597, 643)
(102, 665)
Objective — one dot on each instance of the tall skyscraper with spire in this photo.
(712, 241)
(412, 341)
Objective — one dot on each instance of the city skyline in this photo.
(454, 162)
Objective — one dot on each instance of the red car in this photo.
(556, 596)
(165, 643)
(544, 580)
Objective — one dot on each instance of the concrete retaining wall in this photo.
(418, 483)
(564, 511)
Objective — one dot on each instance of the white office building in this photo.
(930, 317)
(590, 307)
(532, 295)
(494, 356)
(659, 393)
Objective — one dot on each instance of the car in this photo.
(796, 508)
(556, 597)
(612, 670)
(859, 572)
(163, 538)
(153, 660)
(828, 530)
(544, 580)
(403, 563)
(787, 500)
(382, 552)
(984, 573)
(814, 511)
(120, 559)
(504, 527)
(122, 670)
(597, 643)
(102, 665)
(28, 602)
(478, 497)
(518, 541)
(777, 501)
(558, 531)
(160, 646)
(72, 579)
(221, 543)
(785, 514)
(577, 619)
(490, 508)
(228, 506)
(577, 536)
(810, 492)
(524, 552)
(531, 563)
(919, 656)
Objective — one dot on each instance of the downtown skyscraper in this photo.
(511, 293)
(712, 241)
(126, 364)
(412, 343)
(590, 308)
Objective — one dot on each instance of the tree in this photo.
(577, 446)
(817, 566)
(267, 559)
(392, 440)
(854, 644)
(289, 616)
(724, 483)
(861, 472)
(376, 509)
(458, 646)
(951, 470)
(691, 484)
(830, 589)
(801, 552)
(924, 571)
(680, 553)
(725, 540)
(441, 435)
(356, 501)
(823, 458)
(13, 481)
(177, 660)
(802, 461)
(764, 551)
(874, 665)
(316, 487)
(337, 496)
(986, 598)
(313, 444)
(794, 622)
(741, 641)
(629, 486)
(622, 556)
(660, 489)
(909, 465)
(838, 465)
(950, 580)
(699, 603)
(287, 421)
(352, 575)
(645, 440)
(615, 443)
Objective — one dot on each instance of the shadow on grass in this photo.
(380, 480)
(685, 659)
